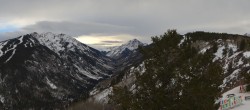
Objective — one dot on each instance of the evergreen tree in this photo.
(225, 50)
(122, 98)
(177, 77)
(215, 47)
(242, 45)
(231, 52)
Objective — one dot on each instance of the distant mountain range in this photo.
(49, 71)
(45, 71)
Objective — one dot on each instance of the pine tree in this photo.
(225, 50)
(242, 45)
(215, 47)
(122, 98)
(177, 77)
(231, 52)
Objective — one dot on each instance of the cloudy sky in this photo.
(112, 22)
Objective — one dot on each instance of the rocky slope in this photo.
(44, 71)
(126, 55)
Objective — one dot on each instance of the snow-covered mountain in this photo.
(131, 45)
(48, 71)
(84, 58)
(52, 70)
(126, 55)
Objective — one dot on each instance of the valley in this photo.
(58, 71)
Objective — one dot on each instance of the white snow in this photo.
(246, 54)
(233, 47)
(131, 45)
(141, 68)
(1, 46)
(53, 86)
(12, 48)
(93, 92)
(55, 42)
(230, 77)
(1, 98)
(21, 39)
(218, 54)
(49, 40)
(234, 55)
(182, 40)
(246, 65)
(240, 62)
(205, 49)
(11, 56)
(103, 96)
(245, 104)
(87, 73)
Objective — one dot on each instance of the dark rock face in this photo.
(44, 71)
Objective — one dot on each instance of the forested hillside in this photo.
(184, 72)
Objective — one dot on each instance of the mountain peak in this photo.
(133, 44)
(134, 40)
(59, 42)
(130, 45)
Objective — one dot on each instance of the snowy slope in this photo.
(56, 42)
(85, 58)
(118, 50)
(128, 80)
(48, 70)
(233, 61)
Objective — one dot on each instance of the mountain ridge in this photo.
(53, 69)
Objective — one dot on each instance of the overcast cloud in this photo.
(139, 18)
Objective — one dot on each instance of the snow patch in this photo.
(218, 54)
(1, 46)
(182, 40)
(240, 62)
(230, 77)
(233, 47)
(1, 98)
(53, 86)
(11, 56)
(246, 54)
(103, 96)
(87, 73)
(21, 39)
(204, 49)
(234, 55)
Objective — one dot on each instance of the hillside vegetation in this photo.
(185, 72)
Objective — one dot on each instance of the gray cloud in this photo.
(75, 29)
(111, 41)
(140, 18)
(101, 44)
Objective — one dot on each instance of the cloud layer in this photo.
(139, 18)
